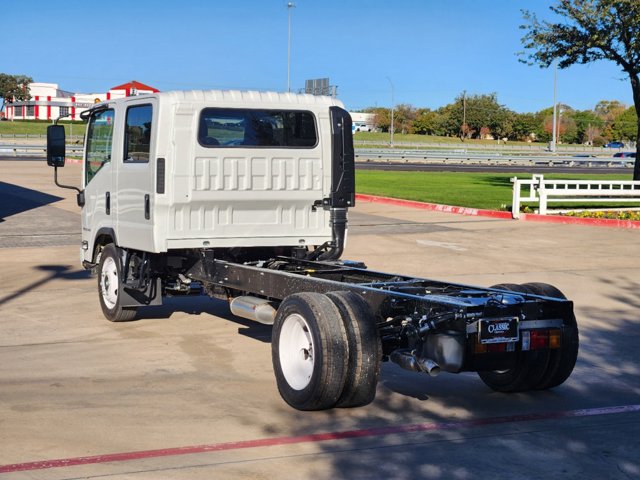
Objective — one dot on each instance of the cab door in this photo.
(98, 178)
(133, 203)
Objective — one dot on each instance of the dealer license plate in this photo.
(498, 330)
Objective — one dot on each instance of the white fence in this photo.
(543, 192)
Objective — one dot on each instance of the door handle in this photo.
(147, 207)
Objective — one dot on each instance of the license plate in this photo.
(498, 330)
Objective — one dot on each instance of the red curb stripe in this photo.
(526, 217)
(433, 206)
(593, 222)
(313, 438)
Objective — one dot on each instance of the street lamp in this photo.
(392, 108)
(555, 108)
(290, 6)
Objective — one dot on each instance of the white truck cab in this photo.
(204, 169)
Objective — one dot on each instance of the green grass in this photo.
(39, 128)
(491, 191)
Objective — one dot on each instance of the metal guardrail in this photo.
(461, 156)
(18, 150)
(456, 156)
(510, 147)
(38, 136)
(543, 191)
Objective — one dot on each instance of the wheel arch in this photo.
(103, 237)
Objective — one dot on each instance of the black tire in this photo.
(109, 286)
(309, 351)
(363, 368)
(563, 360)
(530, 368)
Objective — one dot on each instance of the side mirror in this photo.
(55, 146)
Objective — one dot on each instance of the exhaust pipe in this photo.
(409, 361)
(253, 308)
(338, 220)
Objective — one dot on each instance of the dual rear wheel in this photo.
(538, 369)
(325, 351)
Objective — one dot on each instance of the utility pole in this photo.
(392, 111)
(290, 6)
(555, 108)
(464, 115)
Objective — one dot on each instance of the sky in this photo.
(424, 53)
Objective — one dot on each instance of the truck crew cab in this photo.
(245, 195)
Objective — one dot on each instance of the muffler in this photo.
(408, 360)
(253, 308)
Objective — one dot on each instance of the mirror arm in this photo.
(55, 179)
(79, 196)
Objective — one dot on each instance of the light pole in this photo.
(392, 108)
(555, 107)
(290, 6)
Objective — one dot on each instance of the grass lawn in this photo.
(39, 128)
(491, 191)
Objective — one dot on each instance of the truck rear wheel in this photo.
(530, 368)
(563, 360)
(109, 286)
(309, 351)
(363, 367)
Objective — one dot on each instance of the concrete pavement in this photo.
(187, 390)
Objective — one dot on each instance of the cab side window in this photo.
(137, 143)
(99, 141)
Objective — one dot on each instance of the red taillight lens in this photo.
(539, 339)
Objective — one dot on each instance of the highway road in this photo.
(436, 167)
(453, 167)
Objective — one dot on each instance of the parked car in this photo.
(614, 145)
(362, 127)
(625, 155)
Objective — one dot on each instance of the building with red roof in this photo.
(49, 102)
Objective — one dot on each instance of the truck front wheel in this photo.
(309, 351)
(109, 286)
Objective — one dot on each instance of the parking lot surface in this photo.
(186, 391)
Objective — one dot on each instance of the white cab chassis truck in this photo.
(244, 196)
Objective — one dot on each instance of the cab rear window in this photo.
(241, 128)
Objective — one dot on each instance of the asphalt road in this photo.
(437, 167)
(451, 167)
(187, 391)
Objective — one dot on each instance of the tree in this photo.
(14, 87)
(426, 122)
(382, 117)
(588, 125)
(404, 115)
(468, 115)
(589, 30)
(625, 125)
(524, 126)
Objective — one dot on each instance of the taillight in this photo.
(555, 338)
(541, 339)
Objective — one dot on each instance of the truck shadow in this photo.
(55, 272)
(15, 199)
(202, 304)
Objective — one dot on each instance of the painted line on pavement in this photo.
(314, 438)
